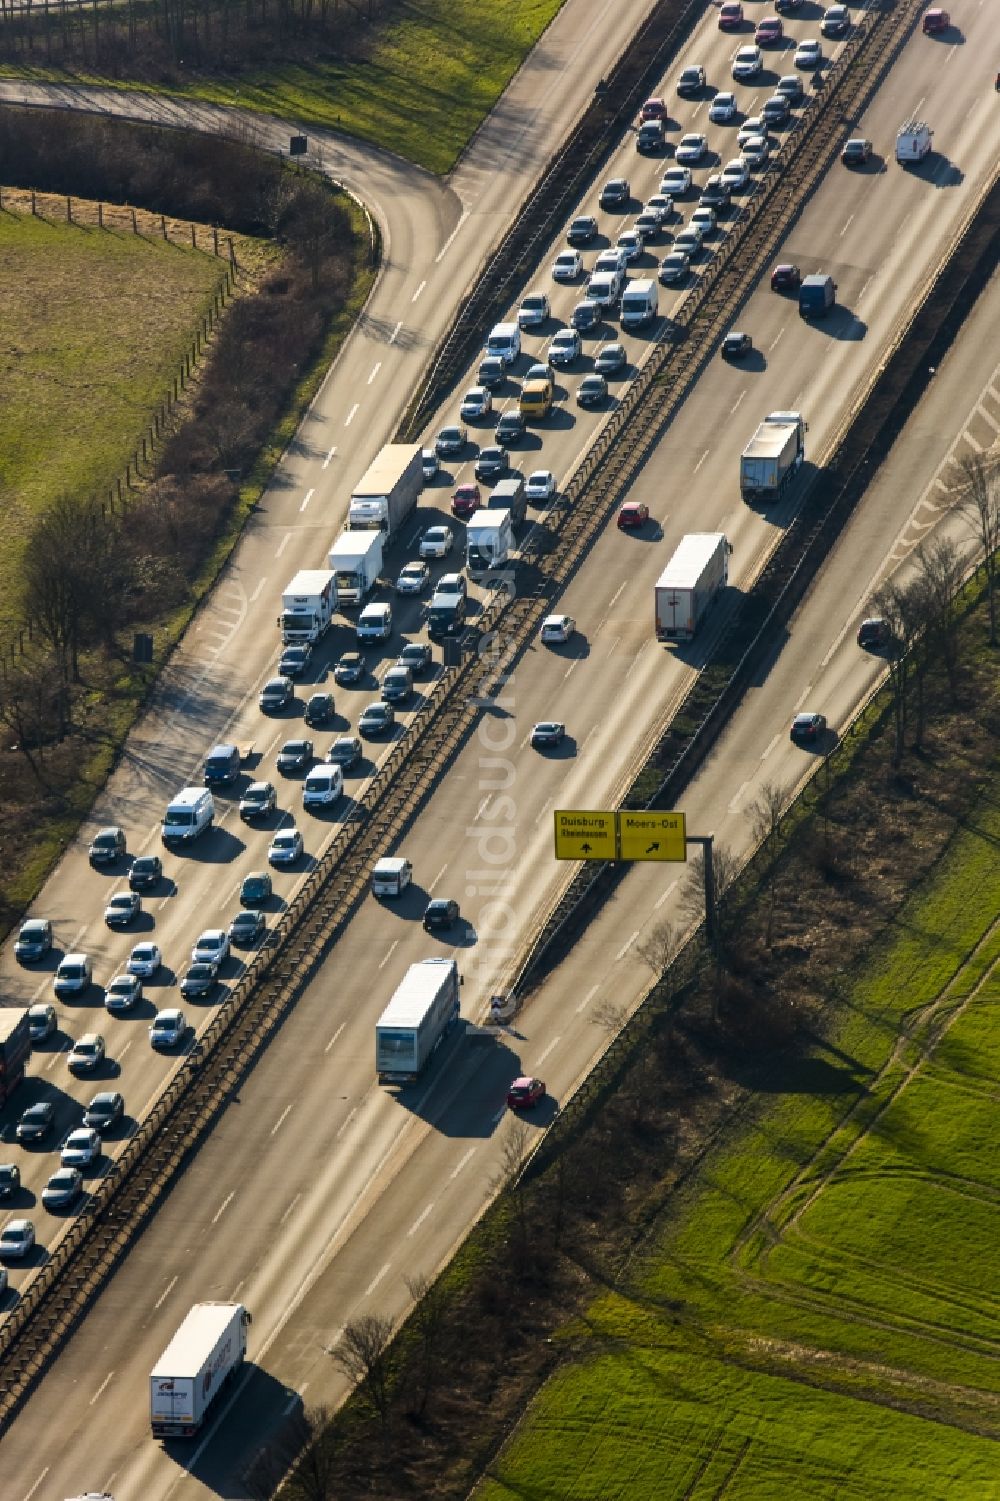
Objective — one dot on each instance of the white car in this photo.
(748, 62)
(168, 1028)
(675, 181)
(81, 1148)
(533, 310)
(144, 960)
(704, 221)
(286, 847)
(16, 1239)
(122, 993)
(540, 485)
(756, 151)
(87, 1054)
(688, 242)
(429, 465)
(808, 54)
(722, 109)
(630, 243)
(436, 542)
(565, 347)
(691, 148)
(567, 265)
(660, 204)
(211, 948)
(476, 402)
(756, 125)
(557, 629)
(413, 578)
(735, 174)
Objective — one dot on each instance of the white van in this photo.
(74, 974)
(391, 876)
(913, 141)
(322, 786)
(504, 340)
(188, 816)
(375, 623)
(640, 303)
(605, 288)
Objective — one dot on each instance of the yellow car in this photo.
(536, 398)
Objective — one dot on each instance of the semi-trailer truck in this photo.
(307, 606)
(423, 1008)
(207, 1350)
(489, 542)
(687, 586)
(772, 456)
(388, 491)
(356, 560)
(15, 1049)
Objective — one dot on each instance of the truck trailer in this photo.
(388, 491)
(423, 1008)
(489, 542)
(772, 456)
(206, 1351)
(687, 586)
(15, 1049)
(356, 560)
(307, 605)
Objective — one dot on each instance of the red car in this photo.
(654, 109)
(731, 16)
(935, 21)
(632, 514)
(769, 30)
(524, 1093)
(466, 500)
(786, 279)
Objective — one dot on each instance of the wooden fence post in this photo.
(100, 216)
(135, 227)
(69, 211)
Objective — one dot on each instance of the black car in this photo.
(36, 1122)
(492, 462)
(807, 728)
(33, 940)
(510, 428)
(715, 194)
(592, 391)
(107, 846)
(10, 1179)
(492, 371)
(275, 695)
(736, 345)
(440, 913)
(615, 193)
(874, 634)
(377, 719)
(856, 152)
(146, 872)
(776, 110)
(787, 7)
(350, 668)
(295, 659)
(295, 755)
(247, 928)
(548, 732)
(417, 656)
(691, 82)
(199, 979)
(320, 709)
(582, 230)
(256, 889)
(836, 22)
(345, 752)
(104, 1111)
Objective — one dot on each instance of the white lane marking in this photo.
(280, 1121)
(575, 663)
(462, 1162)
(375, 370)
(419, 1221)
(165, 1294)
(448, 242)
(809, 687)
(309, 496)
(701, 461)
(626, 946)
(283, 544)
(776, 340)
(373, 1284)
(587, 998)
(28, 1494)
(351, 415)
(329, 456)
(614, 596)
(737, 402)
(734, 801)
(258, 590)
(661, 899)
(395, 333)
(437, 878)
(290, 1208)
(125, 1049)
(347, 1122)
(545, 1053)
(769, 747)
(333, 1039)
(223, 1207)
(418, 291)
(847, 224)
(101, 1388)
(388, 953)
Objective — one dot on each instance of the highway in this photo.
(320, 1200)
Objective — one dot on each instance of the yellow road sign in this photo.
(583, 835)
(651, 836)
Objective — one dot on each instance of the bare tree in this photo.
(610, 1015)
(942, 567)
(691, 895)
(313, 1476)
(29, 709)
(980, 504)
(657, 947)
(288, 1447)
(429, 1323)
(765, 814)
(364, 1354)
(903, 608)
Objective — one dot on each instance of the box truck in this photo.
(772, 456)
(424, 1006)
(15, 1049)
(687, 586)
(356, 560)
(206, 1351)
(307, 605)
(489, 542)
(388, 491)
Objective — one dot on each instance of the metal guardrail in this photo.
(65, 1287)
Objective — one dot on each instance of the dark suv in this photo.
(615, 193)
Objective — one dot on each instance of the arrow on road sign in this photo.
(585, 849)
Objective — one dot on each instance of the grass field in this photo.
(95, 327)
(433, 74)
(820, 1318)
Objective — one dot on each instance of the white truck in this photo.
(489, 542)
(423, 1008)
(356, 560)
(913, 141)
(388, 491)
(640, 303)
(772, 456)
(687, 586)
(206, 1351)
(307, 605)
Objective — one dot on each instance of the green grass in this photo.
(95, 325)
(434, 72)
(821, 1316)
